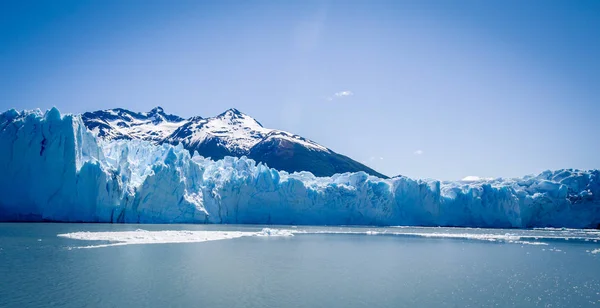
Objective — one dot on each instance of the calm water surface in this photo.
(398, 267)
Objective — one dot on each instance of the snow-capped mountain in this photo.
(231, 133)
(119, 123)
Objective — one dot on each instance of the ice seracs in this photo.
(55, 169)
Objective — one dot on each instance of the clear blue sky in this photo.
(438, 89)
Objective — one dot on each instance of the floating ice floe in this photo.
(140, 236)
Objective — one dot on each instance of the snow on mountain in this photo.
(55, 169)
(231, 133)
(236, 131)
(281, 135)
(119, 123)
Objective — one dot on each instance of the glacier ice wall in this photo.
(53, 169)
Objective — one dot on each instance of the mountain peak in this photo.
(231, 113)
(157, 109)
(237, 116)
(159, 115)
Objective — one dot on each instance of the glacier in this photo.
(54, 169)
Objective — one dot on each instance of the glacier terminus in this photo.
(54, 168)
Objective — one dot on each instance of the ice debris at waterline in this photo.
(140, 236)
(522, 237)
(54, 169)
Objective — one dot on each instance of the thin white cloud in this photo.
(344, 93)
(419, 152)
(340, 95)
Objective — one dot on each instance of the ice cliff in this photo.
(54, 169)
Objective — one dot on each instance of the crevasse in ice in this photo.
(53, 169)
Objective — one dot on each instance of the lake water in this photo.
(246, 266)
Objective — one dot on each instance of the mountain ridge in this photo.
(230, 133)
